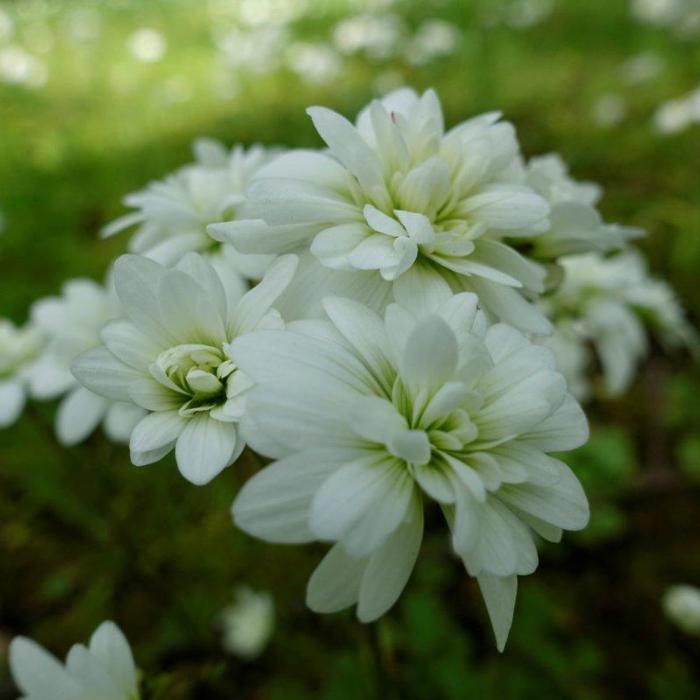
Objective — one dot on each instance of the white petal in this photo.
(429, 357)
(154, 432)
(499, 594)
(78, 415)
(562, 504)
(121, 419)
(365, 331)
(507, 207)
(136, 280)
(109, 645)
(152, 395)
(389, 569)
(200, 270)
(91, 675)
(187, 312)
(102, 373)
(421, 290)
(129, 344)
(256, 303)
(335, 583)
(510, 306)
(351, 150)
(38, 674)
(274, 504)
(375, 419)
(372, 487)
(565, 429)
(205, 447)
(12, 398)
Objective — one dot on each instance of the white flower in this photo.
(368, 418)
(399, 202)
(71, 324)
(575, 224)
(607, 301)
(248, 623)
(379, 36)
(433, 39)
(147, 45)
(18, 348)
(171, 358)
(104, 669)
(682, 605)
(172, 214)
(314, 63)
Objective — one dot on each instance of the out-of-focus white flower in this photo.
(171, 358)
(71, 325)
(18, 348)
(19, 67)
(6, 25)
(642, 67)
(104, 669)
(677, 115)
(682, 605)
(398, 204)
(147, 45)
(368, 416)
(608, 301)
(609, 110)
(248, 623)
(378, 36)
(575, 224)
(523, 14)
(172, 214)
(433, 39)
(259, 13)
(314, 63)
(257, 50)
(84, 24)
(659, 12)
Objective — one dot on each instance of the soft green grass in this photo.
(85, 536)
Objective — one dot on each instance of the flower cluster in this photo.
(605, 304)
(400, 321)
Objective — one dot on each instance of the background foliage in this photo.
(84, 536)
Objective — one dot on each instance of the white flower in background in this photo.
(257, 50)
(258, 13)
(434, 38)
(677, 115)
(248, 623)
(607, 302)
(147, 45)
(71, 324)
(642, 67)
(18, 348)
(171, 358)
(6, 25)
(172, 214)
(378, 36)
(314, 63)
(369, 417)
(658, 12)
(523, 14)
(575, 224)
(399, 203)
(104, 669)
(682, 606)
(19, 67)
(609, 110)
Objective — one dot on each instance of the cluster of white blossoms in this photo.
(374, 317)
(605, 305)
(104, 669)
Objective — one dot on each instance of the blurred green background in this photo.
(96, 98)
